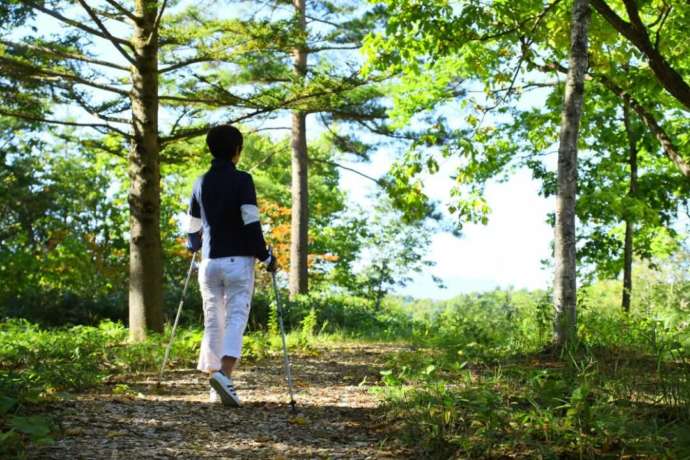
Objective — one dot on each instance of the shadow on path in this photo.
(337, 416)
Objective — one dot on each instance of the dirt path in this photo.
(337, 416)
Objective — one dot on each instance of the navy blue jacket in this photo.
(223, 210)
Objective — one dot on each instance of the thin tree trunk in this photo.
(299, 237)
(629, 223)
(565, 284)
(146, 254)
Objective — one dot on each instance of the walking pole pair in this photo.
(177, 319)
(286, 360)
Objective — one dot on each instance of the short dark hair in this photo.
(224, 141)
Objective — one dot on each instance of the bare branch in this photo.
(59, 76)
(24, 116)
(181, 64)
(65, 55)
(78, 25)
(157, 22)
(105, 31)
(378, 182)
(123, 10)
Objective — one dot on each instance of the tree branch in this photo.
(65, 55)
(669, 148)
(123, 10)
(194, 132)
(318, 49)
(179, 65)
(636, 33)
(38, 71)
(378, 182)
(634, 15)
(672, 152)
(657, 37)
(78, 25)
(266, 158)
(190, 133)
(105, 31)
(157, 21)
(79, 99)
(24, 116)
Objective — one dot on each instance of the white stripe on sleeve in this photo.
(250, 213)
(193, 224)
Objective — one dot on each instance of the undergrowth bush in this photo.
(483, 382)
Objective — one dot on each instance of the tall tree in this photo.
(299, 248)
(119, 93)
(300, 60)
(145, 251)
(565, 284)
(68, 67)
(632, 137)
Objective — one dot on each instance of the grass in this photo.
(472, 391)
(478, 383)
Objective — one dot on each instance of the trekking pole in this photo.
(177, 319)
(282, 334)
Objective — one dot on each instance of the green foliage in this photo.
(352, 316)
(486, 80)
(62, 250)
(480, 385)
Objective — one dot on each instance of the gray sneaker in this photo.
(225, 389)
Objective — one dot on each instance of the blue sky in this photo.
(506, 252)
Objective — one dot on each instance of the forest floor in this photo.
(337, 415)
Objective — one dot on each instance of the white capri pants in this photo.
(227, 286)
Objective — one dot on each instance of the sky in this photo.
(506, 252)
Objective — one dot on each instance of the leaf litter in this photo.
(337, 415)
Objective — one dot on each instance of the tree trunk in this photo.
(145, 250)
(629, 223)
(565, 284)
(299, 237)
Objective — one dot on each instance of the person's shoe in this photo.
(213, 396)
(225, 389)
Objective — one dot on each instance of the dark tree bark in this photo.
(299, 238)
(636, 32)
(629, 223)
(565, 285)
(146, 254)
(670, 149)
